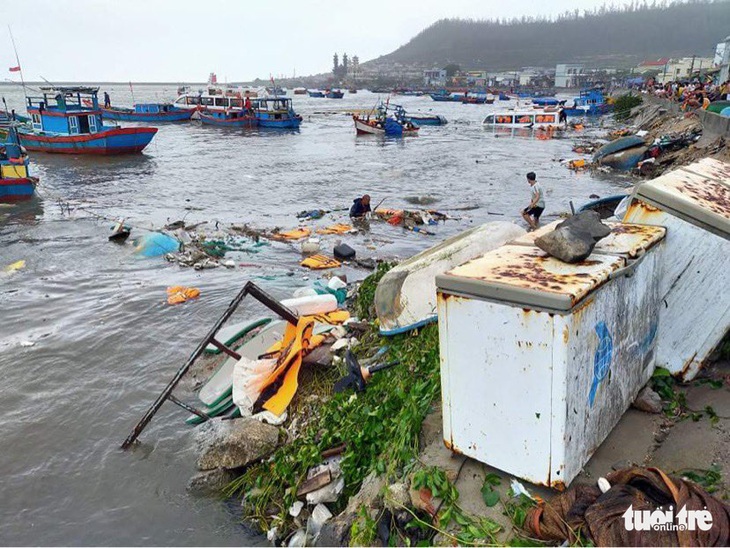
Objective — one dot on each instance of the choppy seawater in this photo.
(105, 341)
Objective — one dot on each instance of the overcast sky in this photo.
(184, 40)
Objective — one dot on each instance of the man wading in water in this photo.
(532, 212)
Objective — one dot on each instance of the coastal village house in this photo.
(722, 59)
(678, 69)
(434, 77)
(568, 75)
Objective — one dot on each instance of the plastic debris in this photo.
(14, 267)
(298, 539)
(179, 294)
(271, 534)
(155, 244)
(319, 516)
(296, 508)
(27, 344)
(603, 485)
(269, 418)
(519, 489)
(328, 493)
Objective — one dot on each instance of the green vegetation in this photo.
(710, 480)
(623, 105)
(379, 427)
(364, 305)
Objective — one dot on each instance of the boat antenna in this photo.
(17, 60)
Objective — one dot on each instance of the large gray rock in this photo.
(210, 482)
(568, 244)
(234, 443)
(648, 401)
(587, 221)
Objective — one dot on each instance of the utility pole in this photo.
(692, 67)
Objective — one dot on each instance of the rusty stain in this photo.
(688, 363)
(566, 334)
(451, 447)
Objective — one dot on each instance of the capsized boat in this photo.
(61, 122)
(234, 118)
(16, 183)
(148, 112)
(425, 119)
(405, 298)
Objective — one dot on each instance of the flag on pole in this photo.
(14, 69)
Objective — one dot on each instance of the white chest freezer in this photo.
(693, 203)
(540, 358)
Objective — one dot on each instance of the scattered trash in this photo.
(311, 246)
(155, 244)
(14, 267)
(577, 164)
(320, 262)
(319, 516)
(296, 508)
(603, 484)
(179, 294)
(298, 539)
(329, 493)
(358, 375)
(344, 252)
(292, 235)
(339, 228)
(519, 489)
(27, 344)
(311, 215)
(120, 232)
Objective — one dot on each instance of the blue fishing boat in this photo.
(16, 183)
(591, 102)
(315, 93)
(276, 112)
(545, 101)
(235, 118)
(334, 94)
(388, 120)
(148, 112)
(425, 119)
(503, 96)
(62, 122)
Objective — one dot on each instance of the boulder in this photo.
(210, 482)
(587, 221)
(568, 244)
(234, 443)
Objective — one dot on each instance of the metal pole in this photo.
(249, 289)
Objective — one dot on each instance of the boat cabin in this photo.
(153, 108)
(272, 105)
(64, 110)
(521, 119)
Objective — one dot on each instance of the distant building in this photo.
(680, 69)
(649, 65)
(434, 77)
(528, 76)
(568, 75)
(722, 59)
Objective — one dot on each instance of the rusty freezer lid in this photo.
(526, 276)
(698, 193)
(626, 239)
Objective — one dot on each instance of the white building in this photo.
(680, 69)
(722, 59)
(435, 77)
(568, 75)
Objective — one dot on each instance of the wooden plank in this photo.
(314, 483)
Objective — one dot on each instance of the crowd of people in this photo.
(691, 94)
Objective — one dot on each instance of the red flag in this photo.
(14, 69)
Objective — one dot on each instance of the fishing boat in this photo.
(447, 97)
(522, 118)
(426, 119)
(605, 207)
(216, 97)
(16, 183)
(62, 123)
(405, 297)
(276, 112)
(234, 118)
(334, 94)
(385, 122)
(315, 93)
(276, 90)
(147, 112)
(300, 91)
(591, 102)
(542, 102)
(503, 96)
(352, 90)
(474, 99)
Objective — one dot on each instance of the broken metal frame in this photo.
(249, 288)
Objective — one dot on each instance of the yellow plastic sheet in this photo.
(339, 228)
(319, 262)
(177, 294)
(291, 235)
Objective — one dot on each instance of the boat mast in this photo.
(17, 59)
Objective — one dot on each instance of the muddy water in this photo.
(104, 341)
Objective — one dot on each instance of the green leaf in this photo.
(492, 479)
(490, 496)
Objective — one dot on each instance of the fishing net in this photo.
(600, 516)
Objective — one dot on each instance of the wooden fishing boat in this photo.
(61, 123)
(605, 207)
(405, 298)
(16, 183)
(334, 94)
(148, 112)
(300, 91)
(315, 93)
(591, 102)
(237, 118)
(387, 120)
(276, 112)
(426, 119)
(352, 90)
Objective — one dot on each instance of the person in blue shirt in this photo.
(360, 207)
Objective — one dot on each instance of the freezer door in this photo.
(527, 276)
(693, 193)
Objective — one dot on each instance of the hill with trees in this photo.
(618, 36)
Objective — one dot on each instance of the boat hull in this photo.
(125, 116)
(245, 122)
(427, 120)
(113, 141)
(405, 298)
(363, 128)
(17, 190)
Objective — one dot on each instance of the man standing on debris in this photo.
(532, 212)
(360, 207)
(107, 100)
